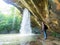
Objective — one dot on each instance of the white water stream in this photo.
(25, 25)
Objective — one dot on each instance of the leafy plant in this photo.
(10, 22)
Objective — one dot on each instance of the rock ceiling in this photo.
(47, 11)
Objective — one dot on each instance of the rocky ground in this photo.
(49, 41)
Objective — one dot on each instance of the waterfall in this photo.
(25, 25)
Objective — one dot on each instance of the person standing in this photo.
(44, 29)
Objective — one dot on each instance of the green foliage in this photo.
(54, 34)
(10, 22)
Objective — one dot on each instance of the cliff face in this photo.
(47, 11)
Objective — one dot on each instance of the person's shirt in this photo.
(44, 27)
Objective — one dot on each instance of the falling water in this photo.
(25, 25)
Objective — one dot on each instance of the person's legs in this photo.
(45, 34)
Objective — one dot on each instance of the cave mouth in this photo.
(10, 18)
